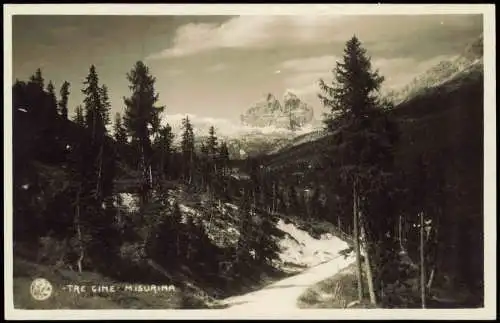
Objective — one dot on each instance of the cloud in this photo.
(267, 31)
(245, 32)
(303, 74)
(239, 32)
(217, 68)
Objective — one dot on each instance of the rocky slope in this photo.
(470, 58)
(292, 113)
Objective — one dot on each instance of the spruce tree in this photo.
(224, 158)
(120, 133)
(106, 104)
(63, 102)
(38, 79)
(79, 118)
(141, 119)
(212, 144)
(363, 137)
(164, 150)
(187, 147)
(94, 116)
(51, 98)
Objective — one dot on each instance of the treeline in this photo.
(68, 176)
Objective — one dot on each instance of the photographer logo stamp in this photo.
(41, 289)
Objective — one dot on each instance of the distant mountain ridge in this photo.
(470, 58)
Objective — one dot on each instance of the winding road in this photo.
(284, 294)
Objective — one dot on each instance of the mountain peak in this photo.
(289, 95)
(270, 97)
(290, 113)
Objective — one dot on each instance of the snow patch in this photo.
(300, 248)
(129, 201)
(189, 210)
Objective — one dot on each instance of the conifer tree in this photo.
(164, 150)
(106, 104)
(141, 119)
(38, 79)
(94, 116)
(224, 158)
(364, 136)
(187, 146)
(204, 166)
(51, 98)
(79, 118)
(212, 143)
(213, 154)
(119, 130)
(63, 102)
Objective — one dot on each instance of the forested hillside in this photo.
(438, 171)
(402, 184)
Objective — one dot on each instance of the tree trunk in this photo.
(162, 163)
(369, 275)
(79, 234)
(356, 244)
(422, 264)
(400, 234)
(150, 177)
(274, 199)
(100, 170)
(431, 278)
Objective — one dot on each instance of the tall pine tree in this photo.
(164, 150)
(79, 118)
(94, 110)
(142, 119)
(188, 152)
(51, 98)
(120, 132)
(63, 102)
(363, 138)
(106, 104)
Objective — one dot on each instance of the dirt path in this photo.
(283, 295)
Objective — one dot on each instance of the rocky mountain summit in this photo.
(292, 113)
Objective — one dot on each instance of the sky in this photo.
(218, 66)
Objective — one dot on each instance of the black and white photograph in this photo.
(249, 161)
